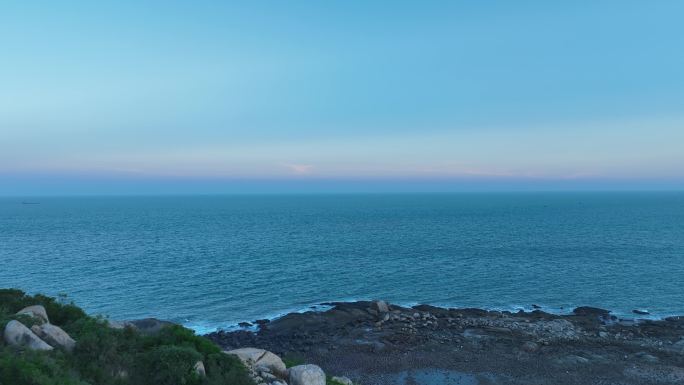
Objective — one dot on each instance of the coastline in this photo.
(372, 343)
(204, 328)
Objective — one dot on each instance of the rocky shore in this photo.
(378, 343)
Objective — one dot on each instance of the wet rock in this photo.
(36, 311)
(588, 310)
(306, 375)
(244, 324)
(530, 347)
(640, 312)
(679, 346)
(571, 360)
(643, 356)
(16, 334)
(55, 336)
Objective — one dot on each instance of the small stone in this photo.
(572, 360)
(530, 347)
(343, 380)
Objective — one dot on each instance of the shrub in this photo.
(106, 356)
(35, 368)
(169, 365)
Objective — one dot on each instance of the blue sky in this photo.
(125, 97)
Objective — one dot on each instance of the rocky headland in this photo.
(378, 343)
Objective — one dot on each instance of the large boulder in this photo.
(306, 375)
(55, 336)
(16, 334)
(36, 311)
(259, 358)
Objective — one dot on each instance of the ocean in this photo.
(210, 262)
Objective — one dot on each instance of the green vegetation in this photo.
(106, 356)
(291, 360)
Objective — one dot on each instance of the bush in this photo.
(106, 356)
(225, 369)
(169, 365)
(35, 368)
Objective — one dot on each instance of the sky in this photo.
(128, 97)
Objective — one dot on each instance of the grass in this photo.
(106, 356)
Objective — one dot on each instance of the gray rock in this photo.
(571, 360)
(147, 326)
(259, 358)
(380, 306)
(306, 375)
(647, 357)
(530, 347)
(16, 334)
(37, 311)
(679, 345)
(55, 336)
(199, 369)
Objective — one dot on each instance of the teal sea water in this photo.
(212, 261)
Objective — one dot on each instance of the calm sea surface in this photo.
(212, 261)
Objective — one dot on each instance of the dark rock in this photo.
(640, 312)
(530, 347)
(588, 310)
(148, 326)
(244, 324)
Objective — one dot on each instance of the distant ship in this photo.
(30, 203)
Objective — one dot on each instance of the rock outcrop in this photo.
(55, 336)
(259, 359)
(41, 336)
(16, 334)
